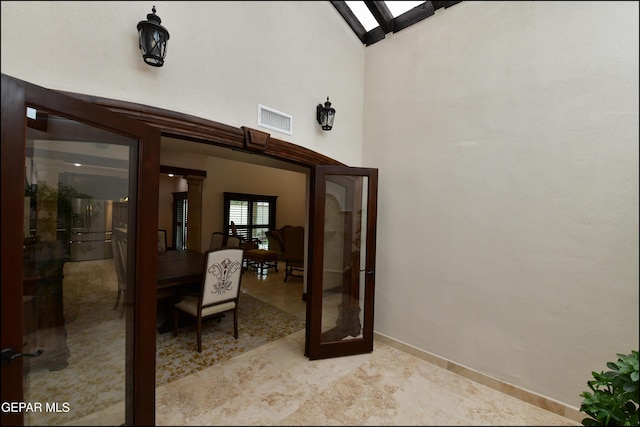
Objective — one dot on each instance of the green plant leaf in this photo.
(615, 396)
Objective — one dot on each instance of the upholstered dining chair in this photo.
(217, 240)
(219, 291)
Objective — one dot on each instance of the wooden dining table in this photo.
(179, 272)
(179, 268)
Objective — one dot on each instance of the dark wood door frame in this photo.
(192, 128)
(140, 365)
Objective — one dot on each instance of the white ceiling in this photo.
(226, 153)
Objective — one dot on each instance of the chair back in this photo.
(243, 234)
(247, 245)
(294, 244)
(119, 246)
(222, 275)
(217, 240)
(272, 242)
(233, 242)
(162, 240)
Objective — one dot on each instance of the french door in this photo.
(78, 344)
(342, 253)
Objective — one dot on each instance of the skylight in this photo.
(397, 8)
(368, 21)
(362, 13)
(372, 20)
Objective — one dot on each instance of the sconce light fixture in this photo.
(153, 39)
(325, 115)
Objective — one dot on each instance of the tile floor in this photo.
(276, 385)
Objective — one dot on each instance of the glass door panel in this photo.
(73, 175)
(77, 187)
(344, 247)
(342, 262)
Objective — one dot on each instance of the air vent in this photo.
(275, 120)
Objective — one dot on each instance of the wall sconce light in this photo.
(325, 115)
(153, 39)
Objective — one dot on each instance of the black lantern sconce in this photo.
(153, 39)
(325, 115)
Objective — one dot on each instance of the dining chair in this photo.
(119, 246)
(242, 235)
(162, 240)
(217, 240)
(233, 242)
(294, 252)
(219, 290)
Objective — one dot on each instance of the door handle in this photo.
(9, 354)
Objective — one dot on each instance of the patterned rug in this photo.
(258, 324)
(93, 380)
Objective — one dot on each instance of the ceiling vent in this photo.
(275, 120)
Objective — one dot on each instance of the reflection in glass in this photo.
(76, 187)
(344, 258)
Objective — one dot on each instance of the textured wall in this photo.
(506, 134)
(223, 59)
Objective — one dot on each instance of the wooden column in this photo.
(194, 214)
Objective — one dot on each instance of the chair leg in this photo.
(199, 333)
(175, 322)
(235, 322)
(117, 300)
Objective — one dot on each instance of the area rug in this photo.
(258, 324)
(93, 380)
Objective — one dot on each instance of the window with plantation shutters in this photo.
(252, 214)
(180, 209)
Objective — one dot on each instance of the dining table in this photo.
(179, 268)
(179, 272)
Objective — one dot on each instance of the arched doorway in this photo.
(146, 127)
(185, 126)
(243, 141)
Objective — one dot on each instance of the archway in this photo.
(185, 126)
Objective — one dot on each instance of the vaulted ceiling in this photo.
(372, 20)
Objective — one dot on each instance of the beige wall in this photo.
(224, 175)
(223, 59)
(506, 134)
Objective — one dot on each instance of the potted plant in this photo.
(613, 399)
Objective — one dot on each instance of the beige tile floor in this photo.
(276, 385)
